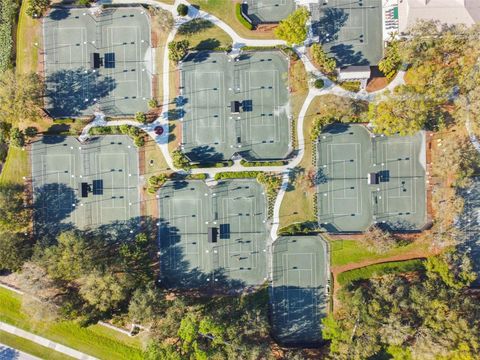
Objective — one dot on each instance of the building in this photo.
(446, 11)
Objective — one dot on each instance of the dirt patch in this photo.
(377, 83)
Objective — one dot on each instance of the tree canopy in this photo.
(293, 29)
(423, 316)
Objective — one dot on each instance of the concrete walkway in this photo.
(45, 342)
(9, 353)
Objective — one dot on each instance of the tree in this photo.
(15, 249)
(293, 29)
(141, 117)
(136, 258)
(177, 50)
(421, 316)
(145, 305)
(17, 138)
(71, 258)
(14, 216)
(36, 8)
(180, 160)
(458, 157)
(391, 61)
(377, 240)
(403, 112)
(8, 12)
(104, 291)
(271, 182)
(182, 10)
(31, 131)
(20, 97)
(156, 351)
(327, 64)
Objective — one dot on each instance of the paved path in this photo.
(238, 43)
(9, 353)
(45, 342)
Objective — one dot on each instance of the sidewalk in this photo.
(44, 342)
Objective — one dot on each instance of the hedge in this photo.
(243, 21)
(353, 86)
(263, 163)
(376, 270)
(219, 164)
(237, 175)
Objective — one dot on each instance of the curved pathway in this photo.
(238, 43)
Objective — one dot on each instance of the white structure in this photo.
(446, 11)
(352, 73)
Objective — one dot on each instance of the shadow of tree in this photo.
(65, 90)
(53, 204)
(330, 24)
(296, 319)
(208, 44)
(204, 154)
(346, 55)
(195, 26)
(58, 14)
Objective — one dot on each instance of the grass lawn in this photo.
(16, 166)
(30, 347)
(225, 10)
(29, 32)
(368, 272)
(94, 340)
(203, 35)
(352, 251)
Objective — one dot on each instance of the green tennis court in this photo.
(299, 291)
(347, 155)
(84, 185)
(349, 30)
(268, 11)
(212, 236)
(235, 105)
(97, 61)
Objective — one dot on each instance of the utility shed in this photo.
(354, 73)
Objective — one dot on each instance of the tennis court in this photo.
(365, 178)
(299, 294)
(349, 30)
(97, 61)
(468, 224)
(84, 185)
(212, 237)
(235, 106)
(268, 11)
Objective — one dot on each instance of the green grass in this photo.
(206, 39)
(30, 347)
(94, 340)
(240, 18)
(225, 10)
(16, 166)
(28, 33)
(352, 251)
(368, 272)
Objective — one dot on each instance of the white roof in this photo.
(446, 11)
(354, 73)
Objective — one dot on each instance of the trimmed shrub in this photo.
(318, 83)
(353, 86)
(237, 175)
(152, 103)
(240, 18)
(182, 10)
(263, 163)
(141, 117)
